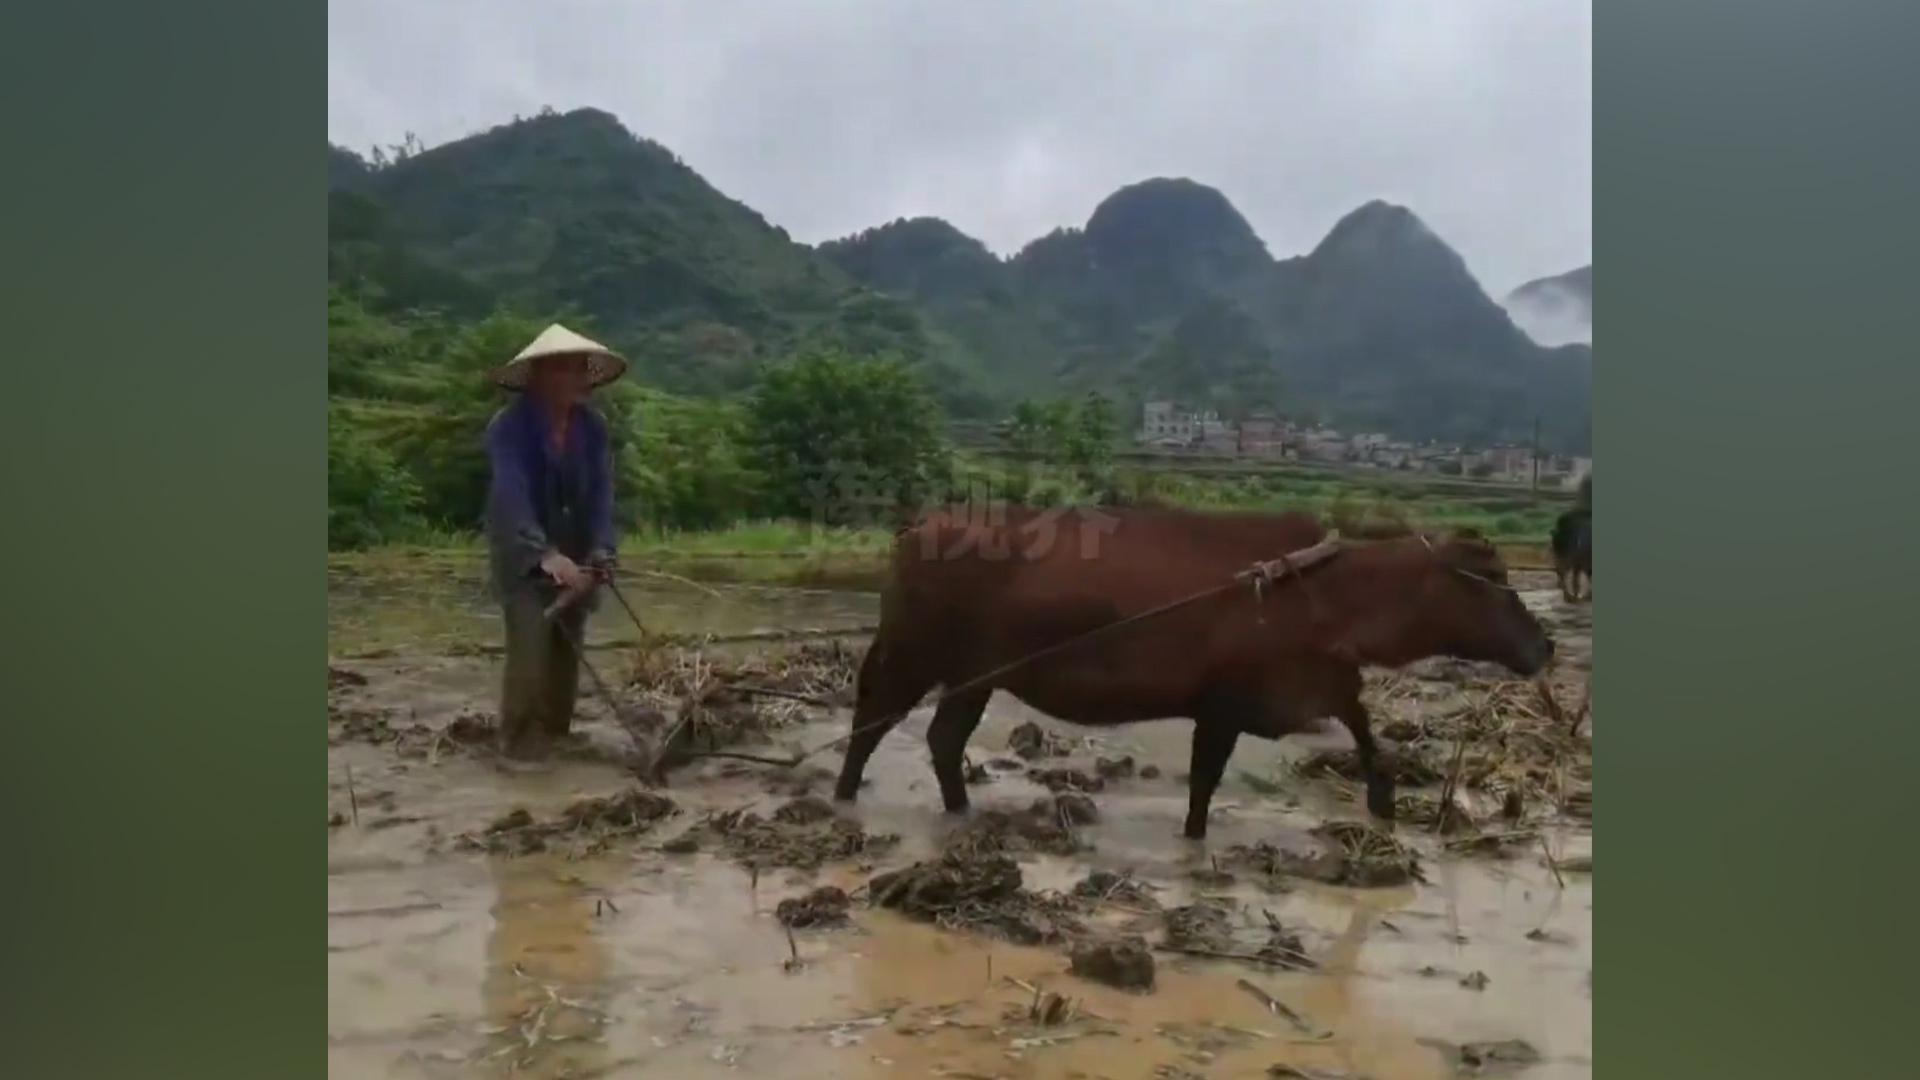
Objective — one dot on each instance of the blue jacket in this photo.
(541, 500)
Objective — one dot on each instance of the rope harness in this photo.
(1262, 577)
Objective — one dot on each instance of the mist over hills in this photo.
(1556, 310)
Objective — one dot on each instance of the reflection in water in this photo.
(545, 974)
(970, 995)
(686, 979)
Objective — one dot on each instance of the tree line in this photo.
(828, 436)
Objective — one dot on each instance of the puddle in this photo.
(634, 962)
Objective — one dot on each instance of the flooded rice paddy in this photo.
(452, 953)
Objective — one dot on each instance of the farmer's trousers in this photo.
(542, 673)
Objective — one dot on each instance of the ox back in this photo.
(971, 593)
(1110, 617)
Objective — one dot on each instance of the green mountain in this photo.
(1166, 291)
(571, 211)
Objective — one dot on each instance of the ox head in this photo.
(1475, 613)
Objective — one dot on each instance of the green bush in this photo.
(370, 499)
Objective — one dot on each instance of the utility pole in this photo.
(1535, 487)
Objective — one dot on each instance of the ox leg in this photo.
(1379, 777)
(886, 692)
(954, 722)
(1214, 738)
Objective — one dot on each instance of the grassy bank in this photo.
(756, 553)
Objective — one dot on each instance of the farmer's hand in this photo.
(565, 573)
(603, 564)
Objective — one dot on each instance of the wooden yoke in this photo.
(1294, 563)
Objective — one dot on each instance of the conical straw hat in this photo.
(603, 364)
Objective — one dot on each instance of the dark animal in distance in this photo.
(967, 597)
(1572, 543)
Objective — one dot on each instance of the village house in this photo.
(1165, 423)
(1260, 433)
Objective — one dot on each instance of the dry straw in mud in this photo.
(976, 885)
(717, 702)
(826, 906)
(586, 827)
(1506, 751)
(982, 892)
(803, 834)
(1350, 853)
(1215, 929)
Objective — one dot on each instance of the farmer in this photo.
(550, 533)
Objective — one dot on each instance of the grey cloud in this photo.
(1012, 117)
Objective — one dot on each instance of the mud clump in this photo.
(469, 732)
(373, 726)
(1199, 926)
(1369, 857)
(471, 729)
(1427, 812)
(824, 907)
(1211, 928)
(1274, 864)
(587, 826)
(978, 891)
(803, 834)
(1123, 963)
(1058, 780)
(1120, 768)
(1347, 853)
(1494, 1058)
(1409, 765)
(1046, 827)
(806, 810)
(1069, 808)
(1031, 742)
(1105, 886)
(1402, 730)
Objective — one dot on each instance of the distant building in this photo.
(1165, 422)
(1259, 433)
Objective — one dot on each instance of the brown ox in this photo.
(968, 597)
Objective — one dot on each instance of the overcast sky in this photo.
(1012, 117)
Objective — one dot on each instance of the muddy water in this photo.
(444, 964)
